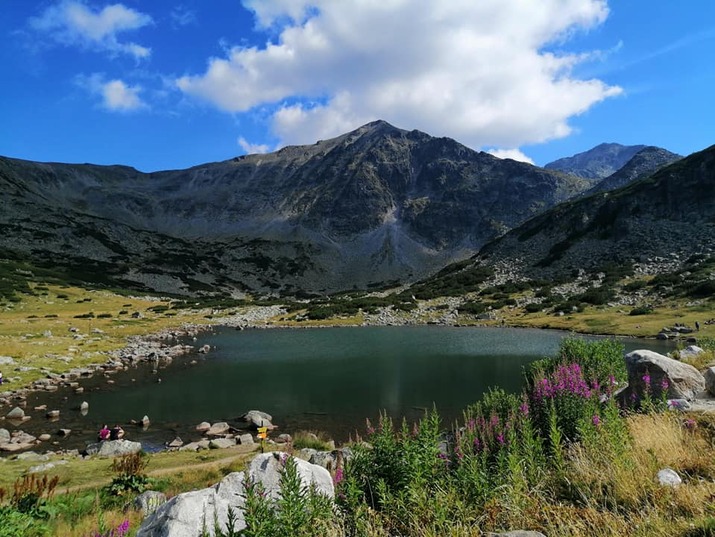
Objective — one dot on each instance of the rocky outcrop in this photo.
(257, 418)
(648, 370)
(710, 380)
(185, 514)
(113, 448)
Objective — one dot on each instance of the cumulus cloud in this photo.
(250, 148)
(183, 16)
(513, 154)
(485, 73)
(116, 95)
(72, 22)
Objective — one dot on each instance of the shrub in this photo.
(533, 307)
(641, 310)
(131, 476)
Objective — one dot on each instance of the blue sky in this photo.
(171, 84)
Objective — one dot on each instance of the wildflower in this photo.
(596, 420)
(500, 439)
(664, 384)
(338, 478)
(690, 424)
(524, 408)
(646, 378)
(368, 426)
(477, 444)
(471, 424)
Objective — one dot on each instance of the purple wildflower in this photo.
(690, 424)
(596, 420)
(524, 408)
(646, 378)
(368, 426)
(500, 439)
(664, 384)
(338, 478)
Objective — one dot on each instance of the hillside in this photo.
(375, 205)
(596, 163)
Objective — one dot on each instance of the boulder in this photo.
(221, 443)
(203, 426)
(205, 349)
(144, 422)
(44, 437)
(256, 418)
(195, 446)
(4, 436)
(32, 456)
(113, 448)
(84, 407)
(709, 376)
(218, 429)
(246, 440)
(684, 381)
(689, 352)
(669, 478)
(175, 443)
(6, 360)
(149, 501)
(45, 467)
(15, 414)
(64, 432)
(52, 414)
(185, 514)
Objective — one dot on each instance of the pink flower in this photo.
(338, 478)
(596, 420)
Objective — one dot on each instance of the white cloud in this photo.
(72, 22)
(477, 71)
(116, 95)
(183, 16)
(513, 154)
(250, 148)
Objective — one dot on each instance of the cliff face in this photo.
(374, 205)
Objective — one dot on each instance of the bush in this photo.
(641, 310)
(131, 476)
(533, 307)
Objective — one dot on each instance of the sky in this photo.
(169, 84)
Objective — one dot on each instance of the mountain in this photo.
(597, 163)
(375, 205)
(665, 217)
(644, 163)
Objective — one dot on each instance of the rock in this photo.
(6, 360)
(149, 501)
(175, 443)
(205, 349)
(195, 446)
(113, 448)
(258, 418)
(79, 390)
(44, 437)
(21, 437)
(15, 414)
(709, 376)
(669, 478)
(203, 426)
(218, 429)
(245, 440)
(183, 515)
(221, 443)
(84, 407)
(45, 467)
(4, 436)
(689, 352)
(32, 456)
(64, 432)
(52, 414)
(40, 408)
(284, 438)
(662, 336)
(144, 422)
(684, 381)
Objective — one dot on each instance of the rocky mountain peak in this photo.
(596, 163)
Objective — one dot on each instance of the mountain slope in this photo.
(597, 163)
(644, 163)
(373, 205)
(670, 214)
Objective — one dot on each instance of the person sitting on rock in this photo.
(104, 433)
(117, 433)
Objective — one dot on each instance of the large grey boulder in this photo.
(690, 352)
(218, 429)
(113, 448)
(684, 381)
(710, 380)
(4, 436)
(186, 514)
(222, 443)
(258, 418)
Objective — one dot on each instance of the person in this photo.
(103, 433)
(117, 433)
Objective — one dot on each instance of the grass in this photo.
(312, 440)
(36, 330)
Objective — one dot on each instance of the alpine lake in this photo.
(326, 379)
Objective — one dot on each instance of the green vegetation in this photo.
(311, 440)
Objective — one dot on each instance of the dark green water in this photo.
(322, 379)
